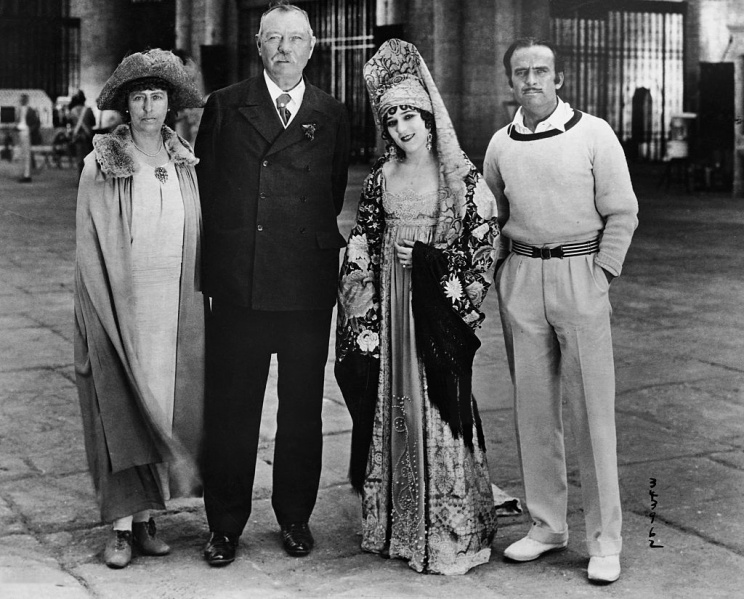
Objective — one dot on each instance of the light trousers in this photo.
(556, 320)
(24, 145)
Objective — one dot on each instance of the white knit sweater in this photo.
(560, 187)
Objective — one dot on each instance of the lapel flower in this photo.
(309, 130)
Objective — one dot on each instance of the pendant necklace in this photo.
(145, 153)
(160, 173)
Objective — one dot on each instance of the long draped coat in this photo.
(119, 427)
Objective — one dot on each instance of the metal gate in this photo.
(344, 32)
(625, 63)
(39, 46)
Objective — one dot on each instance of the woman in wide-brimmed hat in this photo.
(139, 335)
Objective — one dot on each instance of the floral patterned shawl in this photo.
(468, 244)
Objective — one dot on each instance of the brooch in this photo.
(309, 130)
(161, 174)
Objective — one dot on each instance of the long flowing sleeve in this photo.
(471, 257)
(358, 325)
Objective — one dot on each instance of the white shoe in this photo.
(526, 549)
(604, 569)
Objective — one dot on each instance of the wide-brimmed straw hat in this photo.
(155, 63)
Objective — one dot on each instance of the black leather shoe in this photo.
(221, 549)
(144, 539)
(297, 539)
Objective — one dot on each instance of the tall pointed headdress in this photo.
(397, 75)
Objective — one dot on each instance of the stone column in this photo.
(436, 30)
(104, 41)
(463, 42)
(692, 46)
(535, 18)
(214, 22)
(212, 44)
(736, 52)
(183, 25)
(391, 12)
(487, 98)
(491, 26)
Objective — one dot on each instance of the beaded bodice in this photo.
(411, 207)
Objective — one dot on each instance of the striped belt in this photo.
(562, 251)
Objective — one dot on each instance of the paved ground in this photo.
(679, 341)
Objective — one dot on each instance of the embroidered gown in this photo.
(427, 498)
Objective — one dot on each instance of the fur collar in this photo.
(115, 151)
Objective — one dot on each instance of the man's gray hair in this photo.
(286, 7)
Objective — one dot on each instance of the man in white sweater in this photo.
(567, 213)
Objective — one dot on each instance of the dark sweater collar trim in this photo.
(516, 135)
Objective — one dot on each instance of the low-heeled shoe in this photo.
(143, 536)
(297, 539)
(118, 550)
(527, 549)
(604, 569)
(221, 548)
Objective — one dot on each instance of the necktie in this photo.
(281, 105)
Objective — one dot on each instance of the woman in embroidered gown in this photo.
(139, 335)
(413, 277)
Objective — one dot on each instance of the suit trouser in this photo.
(240, 342)
(556, 320)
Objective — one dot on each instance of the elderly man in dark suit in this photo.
(274, 154)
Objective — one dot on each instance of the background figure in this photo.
(274, 154)
(413, 278)
(28, 126)
(563, 190)
(83, 122)
(139, 319)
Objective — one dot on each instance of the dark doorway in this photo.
(641, 123)
(715, 135)
(152, 24)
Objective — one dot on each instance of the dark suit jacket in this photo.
(270, 198)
